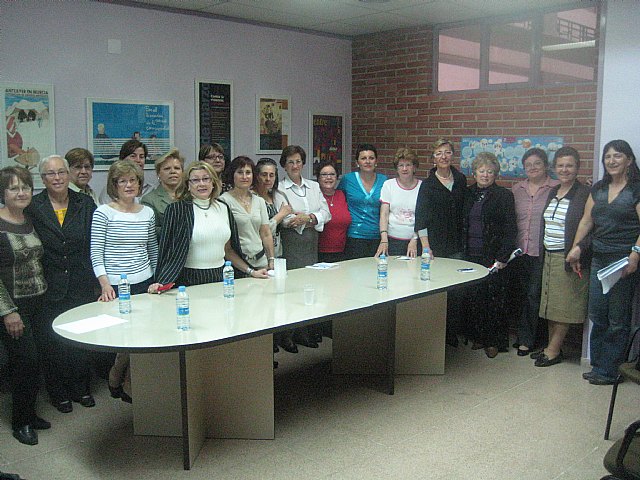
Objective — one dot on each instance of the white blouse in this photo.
(307, 198)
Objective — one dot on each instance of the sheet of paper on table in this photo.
(322, 265)
(90, 324)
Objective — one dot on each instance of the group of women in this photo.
(62, 250)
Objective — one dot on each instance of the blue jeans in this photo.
(611, 317)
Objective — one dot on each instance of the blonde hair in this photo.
(173, 153)
(485, 159)
(405, 154)
(183, 193)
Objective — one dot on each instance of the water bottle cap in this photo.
(182, 288)
(425, 250)
(382, 256)
(123, 276)
(227, 263)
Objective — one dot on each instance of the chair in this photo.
(623, 458)
(626, 371)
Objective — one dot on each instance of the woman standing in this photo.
(397, 207)
(62, 219)
(137, 152)
(199, 234)
(362, 190)
(564, 293)
(490, 228)
(169, 169)
(250, 213)
(22, 285)
(81, 163)
(333, 237)
(440, 219)
(300, 235)
(612, 216)
(123, 240)
(214, 155)
(265, 184)
(530, 196)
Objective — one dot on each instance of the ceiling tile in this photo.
(257, 14)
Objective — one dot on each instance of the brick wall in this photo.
(394, 105)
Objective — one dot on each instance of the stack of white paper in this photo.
(610, 274)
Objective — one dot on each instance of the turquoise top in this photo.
(364, 207)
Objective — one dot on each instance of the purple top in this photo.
(529, 210)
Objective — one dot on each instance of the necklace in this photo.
(445, 179)
(206, 213)
(329, 198)
(244, 201)
(294, 190)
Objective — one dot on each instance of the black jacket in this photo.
(499, 226)
(175, 238)
(578, 195)
(441, 212)
(67, 258)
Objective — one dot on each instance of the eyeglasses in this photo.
(59, 173)
(203, 180)
(124, 182)
(448, 153)
(79, 168)
(538, 164)
(327, 175)
(17, 189)
(214, 157)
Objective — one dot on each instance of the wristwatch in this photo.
(636, 249)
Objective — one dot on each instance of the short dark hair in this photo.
(208, 148)
(566, 152)
(131, 146)
(237, 163)
(76, 156)
(325, 163)
(7, 174)
(262, 163)
(290, 151)
(363, 147)
(538, 152)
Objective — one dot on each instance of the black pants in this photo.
(360, 248)
(23, 364)
(66, 368)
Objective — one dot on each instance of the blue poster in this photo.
(508, 150)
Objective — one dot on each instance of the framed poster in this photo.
(326, 138)
(214, 115)
(30, 135)
(111, 122)
(273, 123)
(508, 150)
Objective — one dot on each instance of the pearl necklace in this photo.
(445, 179)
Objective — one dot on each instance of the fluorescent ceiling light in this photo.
(569, 46)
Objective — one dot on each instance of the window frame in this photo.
(535, 62)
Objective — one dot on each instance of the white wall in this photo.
(619, 107)
(64, 43)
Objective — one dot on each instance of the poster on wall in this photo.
(273, 123)
(111, 122)
(214, 115)
(30, 134)
(508, 150)
(326, 139)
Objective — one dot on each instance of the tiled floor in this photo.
(484, 419)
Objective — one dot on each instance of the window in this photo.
(542, 49)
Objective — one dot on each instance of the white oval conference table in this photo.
(216, 380)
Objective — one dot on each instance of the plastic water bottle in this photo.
(382, 272)
(425, 265)
(228, 281)
(182, 309)
(124, 295)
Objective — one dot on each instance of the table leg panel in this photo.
(420, 335)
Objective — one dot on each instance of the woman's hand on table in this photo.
(259, 273)
(108, 294)
(154, 288)
(412, 248)
(13, 324)
(383, 248)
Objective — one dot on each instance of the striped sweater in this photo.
(124, 243)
